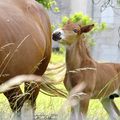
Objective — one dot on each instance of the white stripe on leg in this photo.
(16, 116)
(27, 112)
(108, 106)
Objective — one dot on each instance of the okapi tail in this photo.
(50, 88)
(47, 85)
(53, 79)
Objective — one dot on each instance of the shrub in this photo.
(84, 20)
(47, 3)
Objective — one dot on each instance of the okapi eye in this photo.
(75, 30)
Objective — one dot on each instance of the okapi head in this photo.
(70, 32)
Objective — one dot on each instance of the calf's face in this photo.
(70, 32)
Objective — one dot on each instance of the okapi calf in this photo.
(101, 80)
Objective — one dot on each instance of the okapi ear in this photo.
(86, 28)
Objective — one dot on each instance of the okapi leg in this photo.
(111, 97)
(75, 112)
(110, 108)
(84, 108)
(79, 111)
(115, 107)
(31, 91)
(16, 101)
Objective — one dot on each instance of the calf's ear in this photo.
(86, 28)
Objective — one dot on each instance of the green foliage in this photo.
(64, 20)
(47, 3)
(56, 9)
(53, 27)
(103, 25)
(77, 16)
(84, 20)
(118, 1)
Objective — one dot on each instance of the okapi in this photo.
(98, 80)
(25, 48)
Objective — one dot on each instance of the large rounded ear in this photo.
(86, 28)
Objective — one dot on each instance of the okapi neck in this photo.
(83, 49)
(77, 55)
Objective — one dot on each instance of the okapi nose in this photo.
(56, 36)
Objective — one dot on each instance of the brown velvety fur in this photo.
(95, 80)
(25, 45)
(100, 79)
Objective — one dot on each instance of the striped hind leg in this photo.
(16, 102)
(116, 94)
(110, 108)
(28, 110)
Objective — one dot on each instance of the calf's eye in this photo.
(75, 30)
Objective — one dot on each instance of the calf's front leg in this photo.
(79, 109)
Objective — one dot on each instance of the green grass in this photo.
(57, 58)
(52, 105)
(47, 105)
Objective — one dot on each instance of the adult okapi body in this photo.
(25, 46)
(87, 78)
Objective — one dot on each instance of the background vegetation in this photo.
(47, 3)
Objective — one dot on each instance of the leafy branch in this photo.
(47, 3)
